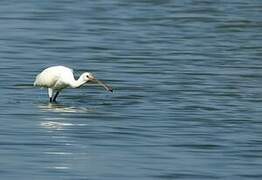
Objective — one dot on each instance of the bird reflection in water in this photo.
(55, 107)
(58, 123)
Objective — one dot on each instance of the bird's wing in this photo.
(54, 77)
(46, 78)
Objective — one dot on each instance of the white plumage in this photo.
(56, 78)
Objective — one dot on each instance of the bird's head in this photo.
(87, 76)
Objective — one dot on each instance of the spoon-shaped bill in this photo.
(107, 87)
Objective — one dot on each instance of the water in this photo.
(188, 85)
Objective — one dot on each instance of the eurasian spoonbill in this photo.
(56, 78)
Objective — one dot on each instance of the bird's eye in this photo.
(87, 76)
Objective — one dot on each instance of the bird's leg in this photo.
(50, 94)
(54, 99)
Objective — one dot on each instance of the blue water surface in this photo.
(188, 90)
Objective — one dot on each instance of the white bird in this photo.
(56, 78)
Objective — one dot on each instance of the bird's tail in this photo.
(36, 81)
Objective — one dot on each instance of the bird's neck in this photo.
(77, 83)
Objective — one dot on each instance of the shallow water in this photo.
(187, 100)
